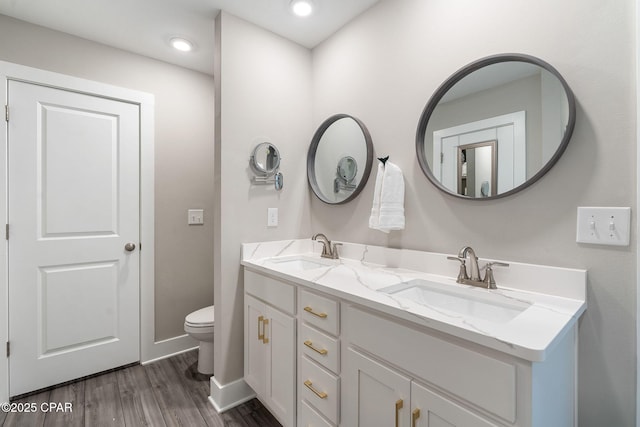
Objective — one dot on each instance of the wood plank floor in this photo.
(167, 393)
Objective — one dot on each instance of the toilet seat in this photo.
(203, 318)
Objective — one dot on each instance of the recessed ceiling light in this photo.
(181, 44)
(302, 7)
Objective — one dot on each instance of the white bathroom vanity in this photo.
(386, 337)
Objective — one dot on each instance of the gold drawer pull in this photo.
(320, 394)
(317, 350)
(320, 315)
(265, 339)
(260, 325)
(414, 417)
(399, 405)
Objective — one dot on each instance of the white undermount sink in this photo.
(476, 303)
(301, 262)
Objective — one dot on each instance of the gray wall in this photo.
(264, 94)
(184, 103)
(390, 61)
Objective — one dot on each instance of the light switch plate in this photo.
(604, 226)
(195, 216)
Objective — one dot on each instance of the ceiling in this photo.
(145, 26)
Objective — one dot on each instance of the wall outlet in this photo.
(195, 216)
(604, 226)
(272, 217)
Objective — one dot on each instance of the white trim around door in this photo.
(149, 349)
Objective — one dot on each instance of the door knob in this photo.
(129, 247)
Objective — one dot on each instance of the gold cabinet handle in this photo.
(260, 325)
(317, 350)
(399, 405)
(310, 311)
(265, 323)
(320, 394)
(414, 417)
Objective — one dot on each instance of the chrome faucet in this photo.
(487, 282)
(329, 250)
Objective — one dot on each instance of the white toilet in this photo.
(199, 325)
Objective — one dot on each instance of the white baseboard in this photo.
(228, 396)
(166, 348)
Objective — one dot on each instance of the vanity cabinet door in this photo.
(255, 350)
(374, 394)
(281, 365)
(270, 358)
(429, 409)
(377, 395)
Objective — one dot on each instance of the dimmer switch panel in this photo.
(604, 226)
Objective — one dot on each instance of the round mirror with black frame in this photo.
(495, 127)
(339, 159)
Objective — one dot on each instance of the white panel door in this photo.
(73, 206)
(448, 164)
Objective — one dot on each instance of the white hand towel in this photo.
(387, 211)
(392, 199)
(374, 219)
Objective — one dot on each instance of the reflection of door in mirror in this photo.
(509, 132)
(477, 169)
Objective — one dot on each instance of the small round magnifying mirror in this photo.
(345, 174)
(347, 169)
(265, 159)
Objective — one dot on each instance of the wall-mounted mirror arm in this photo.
(339, 185)
(277, 180)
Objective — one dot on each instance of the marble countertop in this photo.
(552, 302)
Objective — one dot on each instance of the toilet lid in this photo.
(201, 318)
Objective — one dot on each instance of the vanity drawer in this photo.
(308, 417)
(320, 347)
(322, 312)
(320, 388)
(274, 292)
